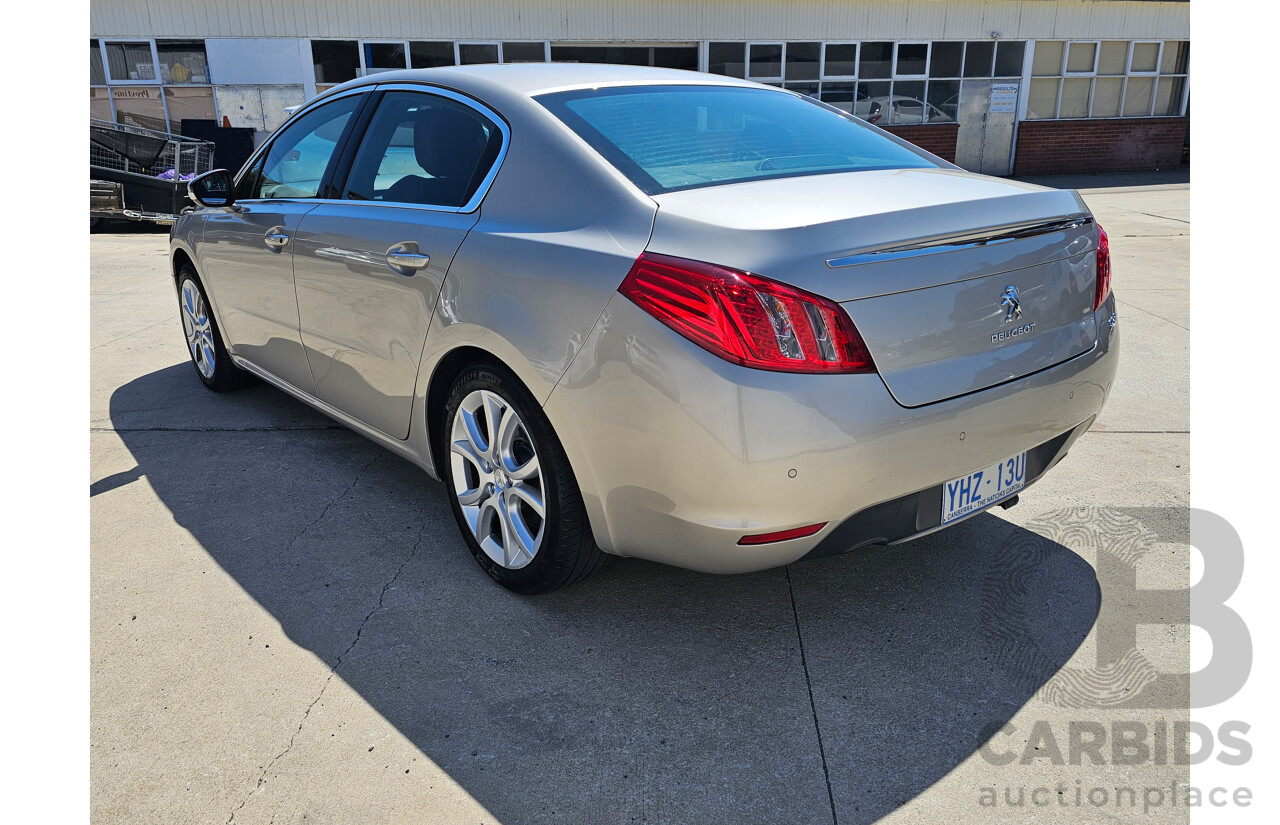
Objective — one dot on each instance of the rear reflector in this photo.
(782, 535)
(747, 319)
(1102, 286)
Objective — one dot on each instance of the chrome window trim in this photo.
(987, 237)
(493, 117)
(408, 86)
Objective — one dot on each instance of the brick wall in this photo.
(1117, 145)
(939, 138)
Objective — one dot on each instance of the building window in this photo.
(430, 54)
(668, 57)
(840, 60)
(532, 52)
(1110, 78)
(764, 61)
(97, 74)
(384, 57)
(130, 61)
(335, 61)
(183, 61)
(470, 53)
(723, 58)
(884, 82)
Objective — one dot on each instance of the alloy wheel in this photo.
(195, 322)
(498, 479)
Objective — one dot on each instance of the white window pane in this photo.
(1075, 97)
(1169, 96)
(1106, 96)
(1043, 100)
(1047, 60)
(1145, 56)
(1174, 60)
(1111, 58)
(1137, 96)
(1080, 57)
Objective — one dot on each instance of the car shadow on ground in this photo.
(646, 693)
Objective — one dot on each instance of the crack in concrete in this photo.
(262, 778)
(1152, 314)
(129, 335)
(813, 708)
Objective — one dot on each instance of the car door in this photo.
(369, 265)
(247, 253)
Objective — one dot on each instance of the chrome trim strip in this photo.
(951, 243)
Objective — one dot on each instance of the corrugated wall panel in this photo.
(658, 20)
(966, 21)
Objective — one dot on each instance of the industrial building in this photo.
(997, 86)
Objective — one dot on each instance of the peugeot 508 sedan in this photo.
(652, 313)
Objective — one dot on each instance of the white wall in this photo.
(267, 60)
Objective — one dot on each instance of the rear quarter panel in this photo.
(558, 232)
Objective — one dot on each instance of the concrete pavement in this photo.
(286, 626)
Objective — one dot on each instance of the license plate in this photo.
(971, 493)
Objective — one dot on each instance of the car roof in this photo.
(533, 79)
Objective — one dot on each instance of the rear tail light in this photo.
(747, 319)
(1102, 286)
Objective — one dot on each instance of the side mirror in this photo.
(214, 188)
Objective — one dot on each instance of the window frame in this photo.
(1128, 62)
(840, 78)
(155, 62)
(928, 56)
(364, 67)
(1092, 71)
(457, 51)
(782, 61)
(336, 178)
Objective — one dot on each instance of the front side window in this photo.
(299, 156)
(668, 138)
(423, 149)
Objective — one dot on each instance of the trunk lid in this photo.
(957, 282)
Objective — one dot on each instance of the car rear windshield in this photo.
(668, 138)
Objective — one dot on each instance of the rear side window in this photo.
(423, 149)
(667, 138)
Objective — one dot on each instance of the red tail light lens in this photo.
(781, 535)
(745, 318)
(1102, 287)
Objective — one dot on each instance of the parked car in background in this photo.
(652, 313)
(899, 109)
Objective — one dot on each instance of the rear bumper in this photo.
(679, 454)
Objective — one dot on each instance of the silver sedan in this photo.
(652, 313)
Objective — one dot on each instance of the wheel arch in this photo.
(446, 371)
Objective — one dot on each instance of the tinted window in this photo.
(425, 149)
(296, 162)
(666, 138)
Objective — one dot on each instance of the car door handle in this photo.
(404, 256)
(275, 239)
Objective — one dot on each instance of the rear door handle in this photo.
(405, 256)
(275, 238)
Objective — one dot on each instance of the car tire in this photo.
(486, 456)
(209, 355)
